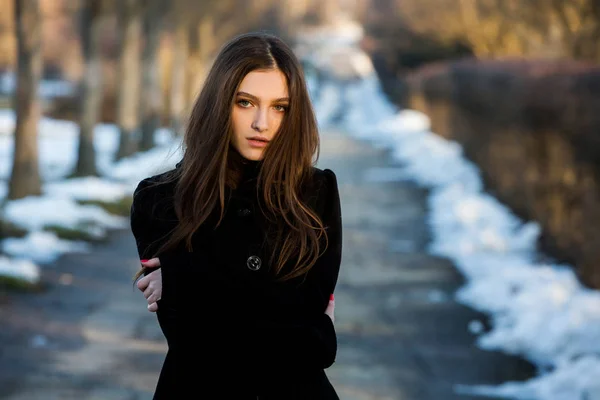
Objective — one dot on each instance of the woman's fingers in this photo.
(151, 286)
(330, 310)
(143, 282)
(151, 263)
(152, 295)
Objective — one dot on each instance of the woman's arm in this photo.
(313, 344)
(149, 233)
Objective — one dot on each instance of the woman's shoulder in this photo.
(162, 181)
(323, 189)
(154, 188)
(323, 179)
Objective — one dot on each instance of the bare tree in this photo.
(180, 20)
(194, 43)
(7, 37)
(495, 28)
(580, 27)
(25, 177)
(130, 29)
(93, 16)
(201, 44)
(151, 99)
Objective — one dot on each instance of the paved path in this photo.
(402, 337)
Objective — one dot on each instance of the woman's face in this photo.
(259, 107)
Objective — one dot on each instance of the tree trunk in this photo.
(178, 92)
(151, 91)
(290, 17)
(202, 38)
(93, 16)
(327, 11)
(25, 177)
(130, 26)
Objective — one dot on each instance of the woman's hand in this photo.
(331, 308)
(151, 284)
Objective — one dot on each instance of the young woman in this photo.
(248, 236)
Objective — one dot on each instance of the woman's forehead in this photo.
(266, 85)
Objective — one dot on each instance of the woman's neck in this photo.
(248, 169)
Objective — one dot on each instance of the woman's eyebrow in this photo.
(279, 100)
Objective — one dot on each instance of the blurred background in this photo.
(472, 124)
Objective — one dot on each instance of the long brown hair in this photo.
(208, 165)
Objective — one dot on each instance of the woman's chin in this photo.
(252, 154)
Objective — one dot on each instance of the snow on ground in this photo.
(539, 310)
(58, 205)
(21, 268)
(48, 88)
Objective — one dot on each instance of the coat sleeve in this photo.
(313, 344)
(139, 222)
(149, 233)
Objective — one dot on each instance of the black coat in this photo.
(234, 332)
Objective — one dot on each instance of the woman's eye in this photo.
(281, 108)
(244, 103)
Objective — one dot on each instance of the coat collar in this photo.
(250, 168)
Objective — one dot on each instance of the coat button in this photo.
(254, 263)
(244, 212)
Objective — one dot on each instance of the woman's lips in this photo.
(258, 143)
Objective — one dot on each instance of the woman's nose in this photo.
(260, 122)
